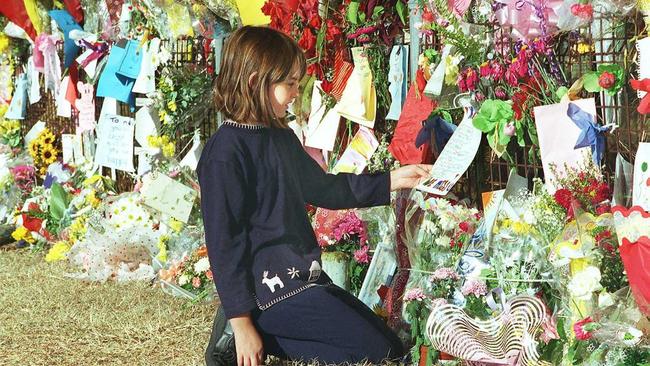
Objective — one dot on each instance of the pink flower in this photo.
(208, 274)
(361, 255)
(444, 273)
(485, 70)
(549, 327)
(414, 294)
(500, 93)
(437, 302)
(509, 129)
(497, 70)
(474, 287)
(584, 11)
(580, 328)
(196, 282)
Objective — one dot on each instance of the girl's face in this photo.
(283, 93)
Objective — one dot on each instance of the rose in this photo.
(584, 11)
(606, 80)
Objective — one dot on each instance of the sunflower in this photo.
(33, 148)
(46, 137)
(48, 155)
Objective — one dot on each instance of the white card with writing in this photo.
(115, 142)
(641, 185)
(144, 160)
(168, 196)
(109, 106)
(455, 158)
(643, 48)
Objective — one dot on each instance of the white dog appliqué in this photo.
(272, 282)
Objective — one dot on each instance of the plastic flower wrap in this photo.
(10, 132)
(189, 276)
(108, 254)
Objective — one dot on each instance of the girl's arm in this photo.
(223, 205)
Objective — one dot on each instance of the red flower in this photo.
(519, 104)
(315, 21)
(333, 32)
(579, 328)
(602, 209)
(208, 274)
(584, 11)
(563, 197)
(602, 193)
(498, 70)
(32, 223)
(471, 79)
(464, 226)
(485, 69)
(427, 16)
(307, 41)
(277, 14)
(603, 235)
(606, 80)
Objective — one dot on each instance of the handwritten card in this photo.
(168, 196)
(115, 142)
(558, 135)
(643, 46)
(358, 153)
(359, 100)
(641, 187)
(67, 147)
(455, 158)
(322, 127)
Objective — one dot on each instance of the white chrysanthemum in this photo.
(585, 283)
(202, 265)
(183, 280)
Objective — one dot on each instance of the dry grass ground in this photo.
(48, 319)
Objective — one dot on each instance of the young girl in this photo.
(255, 180)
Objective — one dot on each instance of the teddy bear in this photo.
(86, 107)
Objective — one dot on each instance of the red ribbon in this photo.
(642, 85)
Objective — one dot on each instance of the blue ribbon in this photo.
(591, 133)
(443, 131)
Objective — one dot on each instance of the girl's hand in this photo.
(248, 343)
(409, 176)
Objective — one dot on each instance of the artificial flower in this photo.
(491, 119)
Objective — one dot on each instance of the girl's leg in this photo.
(328, 324)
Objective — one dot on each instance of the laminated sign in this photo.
(168, 196)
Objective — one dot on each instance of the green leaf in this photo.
(320, 39)
(59, 201)
(402, 11)
(377, 11)
(353, 13)
(561, 92)
(591, 82)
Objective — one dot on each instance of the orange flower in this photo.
(202, 251)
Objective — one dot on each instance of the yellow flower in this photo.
(21, 233)
(57, 252)
(48, 155)
(77, 229)
(172, 105)
(92, 180)
(4, 42)
(584, 47)
(451, 70)
(521, 228)
(169, 150)
(46, 137)
(162, 247)
(33, 149)
(92, 200)
(176, 225)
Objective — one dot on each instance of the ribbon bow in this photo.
(51, 62)
(591, 133)
(642, 85)
(443, 131)
(525, 17)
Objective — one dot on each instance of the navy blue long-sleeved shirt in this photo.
(255, 182)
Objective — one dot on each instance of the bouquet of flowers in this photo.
(189, 276)
(43, 150)
(350, 240)
(582, 188)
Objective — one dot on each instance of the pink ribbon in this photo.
(99, 50)
(51, 64)
(525, 16)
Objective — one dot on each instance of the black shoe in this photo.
(221, 347)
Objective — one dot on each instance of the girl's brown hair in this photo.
(267, 52)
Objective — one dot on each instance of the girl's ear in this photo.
(252, 79)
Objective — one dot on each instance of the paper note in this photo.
(144, 160)
(641, 187)
(643, 47)
(322, 127)
(191, 159)
(358, 153)
(168, 196)
(558, 135)
(67, 145)
(33, 132)
(455, 158)
(380, 273)
(115, 142)
(359, 100)
(397, 77)
(145, 125)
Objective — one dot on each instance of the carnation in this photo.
(202, 265)
(474, 287)
(444, 273)
(581, 329)
(414, 294)
(585, 283)
(361, 255)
